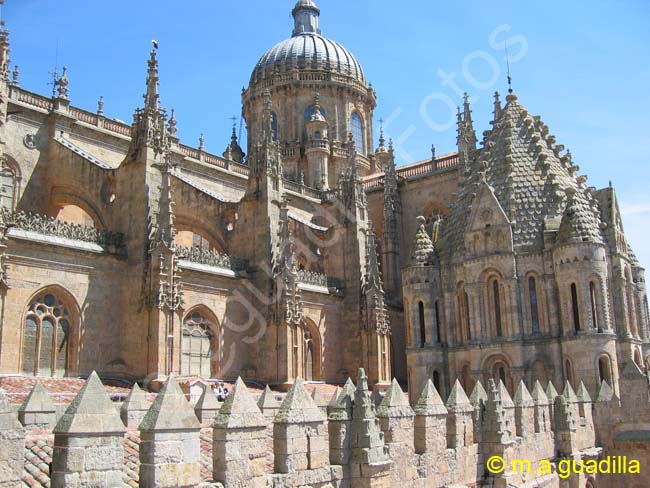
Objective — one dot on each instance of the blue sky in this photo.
(584, 66)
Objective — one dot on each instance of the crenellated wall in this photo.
(357, 440)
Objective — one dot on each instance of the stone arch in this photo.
(70, 204)
(191, 233)
(51, 333)
(313, 351)
(497, 366)
(200, 343)
(604, 369)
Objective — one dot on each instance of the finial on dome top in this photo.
(305, 15)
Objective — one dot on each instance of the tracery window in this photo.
(356, 128)
(196, 345)
(46, 337)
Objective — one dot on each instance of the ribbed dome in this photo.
(307, 50)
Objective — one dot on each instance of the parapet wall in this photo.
(351, 442)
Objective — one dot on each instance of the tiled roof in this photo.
(521, 162)
(61, 390)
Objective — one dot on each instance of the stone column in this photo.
(460, 430)
(207, 407)
(38, 411)
(499, 431)
(12, 447)
(134, 407)
(240, 449)
(478, 399)
(396, 421)
(369, 460)
(430, 422)
(299, 433)
(524, 412)
(542, 409)
(89, 441)
(566, 422)
(339, 424)
(170, 444)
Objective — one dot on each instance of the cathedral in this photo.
(307, 253)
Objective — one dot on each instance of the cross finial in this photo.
(508, 66)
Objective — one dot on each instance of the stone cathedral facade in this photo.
(307, 253)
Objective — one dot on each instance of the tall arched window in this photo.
(605, 370)
(423, 330)
(46, 340)
(496, 300)
(196, 345)
(464, 326)
(356, 128)
(534, 310)
(592, 302)
(574, 307)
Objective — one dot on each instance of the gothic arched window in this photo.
(356, 128)
(47, 336)
(196, 345)
(574, 307)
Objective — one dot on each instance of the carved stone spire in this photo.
(151, 97)
(466, 134)
(150, 122)
(497, 106)
(172, 128)
(290, 306)
(100, 106)
(376, 316)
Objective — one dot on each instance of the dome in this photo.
(308, 50)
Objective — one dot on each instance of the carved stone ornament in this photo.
(30, 141)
